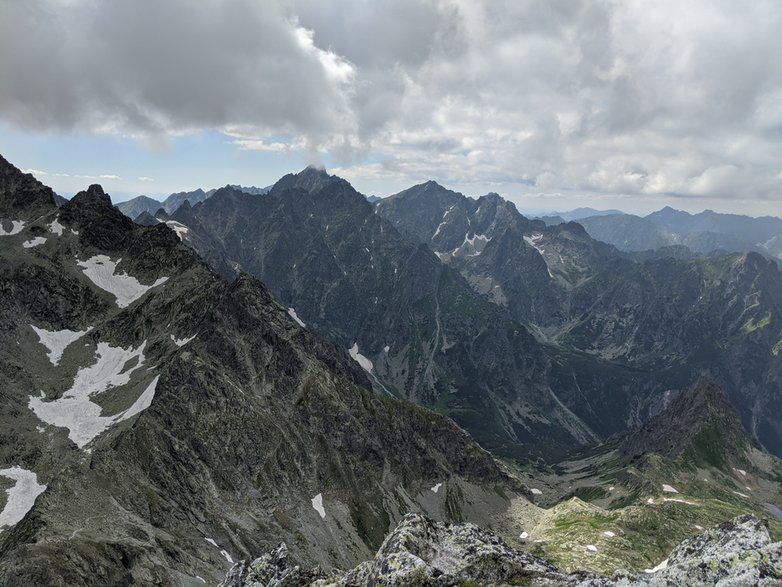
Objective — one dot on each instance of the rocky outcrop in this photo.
(418, 552)
(423, 552)
(738, 552)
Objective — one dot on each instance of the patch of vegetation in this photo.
(706, 448)
(590, 493)
(751, 326)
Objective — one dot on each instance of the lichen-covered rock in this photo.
(421, 552)
(738, 552)
(271, 570)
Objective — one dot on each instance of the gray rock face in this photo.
(422, 552)
(736, 553)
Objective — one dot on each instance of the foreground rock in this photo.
(738, 552)
(423, 552)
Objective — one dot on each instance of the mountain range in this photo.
(191, 389)
(644, 325)
(702, 233)
(136, 206)
(169, 421)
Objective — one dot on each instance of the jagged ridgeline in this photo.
(647, 323)
(533, 338)
(158, 422)
(419, 328)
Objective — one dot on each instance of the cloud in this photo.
(145, 178)
(143, 68)
(40, 173)
(629, 99)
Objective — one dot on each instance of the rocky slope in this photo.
(169, 421)
(423, 552)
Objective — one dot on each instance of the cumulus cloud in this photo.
(601, 97)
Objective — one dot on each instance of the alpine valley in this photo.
(300, 386)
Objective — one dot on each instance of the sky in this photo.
(554, 104)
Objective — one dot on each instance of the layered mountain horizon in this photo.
(308, 366)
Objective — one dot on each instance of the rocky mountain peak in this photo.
(311, 179)
(700, 424)
(99, 222)
(22, 197)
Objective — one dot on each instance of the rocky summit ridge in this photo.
(422, 552)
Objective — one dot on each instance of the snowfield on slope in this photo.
(56, 341)
(365, 363)
(16, 227)
(34, 242)
(76, 411)
(102, 271)
(21, 496)
(292, 313)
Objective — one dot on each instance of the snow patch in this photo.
(533, 242)
(436, 488)
(668, 489)
(56, 341)
(182, 341)
(365, 363)
(650, 501)
(75, 409)
(665, 499)
(386, 348)
(16, 228)
(591, 548)
(223, 552)
(56, 228)
(101, 270)
(317, 505)
(21, 497)
(200, 578)
(34, 242)
(741, 471)
(523, 536)
(536, 491)
(660, 567)
(609, 534)
(742, 494)
(292, 314)
(439, 227)
(180, 229)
